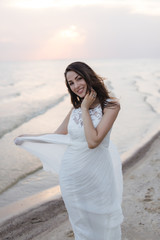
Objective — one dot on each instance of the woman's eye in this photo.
(70, 83)
(79, 78)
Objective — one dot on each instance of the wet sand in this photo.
(141, 206)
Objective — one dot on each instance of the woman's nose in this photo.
(76, 84)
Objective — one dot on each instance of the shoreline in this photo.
(42, 206)
(132, 156)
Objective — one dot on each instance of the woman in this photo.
(80, 151)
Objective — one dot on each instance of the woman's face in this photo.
(77, 84)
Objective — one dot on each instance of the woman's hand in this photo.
(18, 140)
(89, 99)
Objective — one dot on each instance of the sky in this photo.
(75, 29)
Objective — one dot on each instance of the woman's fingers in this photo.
(93, 94)
(89, 99)
(18, 141)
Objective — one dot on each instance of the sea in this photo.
(34, 99)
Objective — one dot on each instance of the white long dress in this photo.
(90, 179)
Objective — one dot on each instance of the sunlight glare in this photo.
(65, 43)
(71, 32)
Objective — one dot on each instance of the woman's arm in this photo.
(63, 128)
(94, 136)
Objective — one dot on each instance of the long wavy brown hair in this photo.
(93, 81)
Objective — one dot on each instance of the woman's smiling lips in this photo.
(80, 90)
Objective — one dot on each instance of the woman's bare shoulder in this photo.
(113, 104)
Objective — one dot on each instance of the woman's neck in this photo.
(95, 103)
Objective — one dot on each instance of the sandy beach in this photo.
(48, 220)
(141, 198)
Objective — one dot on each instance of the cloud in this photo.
(148, 7)
(65, 43)
(90, 31)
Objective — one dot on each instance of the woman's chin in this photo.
(82, 96)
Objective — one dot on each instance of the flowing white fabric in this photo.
(90, 179)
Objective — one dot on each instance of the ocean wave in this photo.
(8, 123)
(150, 91)
(9, 97)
